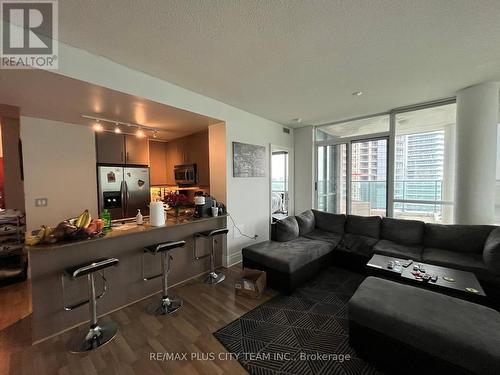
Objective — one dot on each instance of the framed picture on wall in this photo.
(249, 160)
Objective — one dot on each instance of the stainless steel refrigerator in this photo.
(123, 190)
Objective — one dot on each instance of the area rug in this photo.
(304, 333)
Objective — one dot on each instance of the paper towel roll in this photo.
(156, 214)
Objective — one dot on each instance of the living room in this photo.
(340, 215)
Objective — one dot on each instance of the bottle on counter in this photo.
(106, 217)
(139, 218)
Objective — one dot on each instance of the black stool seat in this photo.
(211, 233)
(88, 268)
(165, 246)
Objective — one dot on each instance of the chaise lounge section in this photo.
(428, 333)
(301, 245)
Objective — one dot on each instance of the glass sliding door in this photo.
(369, 177)
(331, 180)
(352, 166)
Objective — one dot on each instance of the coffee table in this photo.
(457, 283)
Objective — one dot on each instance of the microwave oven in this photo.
(185, 174)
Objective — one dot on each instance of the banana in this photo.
(83, 220)
(79, 219)
(86, 220)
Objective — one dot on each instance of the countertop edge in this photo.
(118, 234)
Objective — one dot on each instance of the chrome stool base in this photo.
(214, 278)
(165, 306)
(85, 341)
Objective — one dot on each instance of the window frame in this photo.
(391, 150)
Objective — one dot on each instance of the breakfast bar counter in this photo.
(126, 243)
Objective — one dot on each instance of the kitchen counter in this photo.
(126, 229)
(125, 282)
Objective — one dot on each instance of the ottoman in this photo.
(412, 330)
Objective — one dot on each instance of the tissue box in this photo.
(251, 284)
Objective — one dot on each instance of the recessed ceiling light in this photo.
(357, 93)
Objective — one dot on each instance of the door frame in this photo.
(291, 198)
(348, 141)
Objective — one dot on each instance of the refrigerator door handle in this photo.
(123, 189)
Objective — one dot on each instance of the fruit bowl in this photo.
(74, 229)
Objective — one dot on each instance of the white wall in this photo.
(247, 198)
(304, 168)
(59, 164)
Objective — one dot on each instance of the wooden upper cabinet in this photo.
(158, 163)
(110, 148)
(192, 149)
(121, 149)
(136, 150)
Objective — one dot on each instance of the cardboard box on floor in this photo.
(251, 284)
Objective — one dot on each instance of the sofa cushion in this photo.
(491, 252)
(368, 226)
(286, 229)
(460, 332)
(462, 238)
(462, 261)
(329, 222)
(289, 256)
(321, 235)
(408, 232)
(396, 250)
(353, 243)
(306, 222)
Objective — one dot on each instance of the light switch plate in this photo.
(41, 202)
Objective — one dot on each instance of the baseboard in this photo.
(233, 259)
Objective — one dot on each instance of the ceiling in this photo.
(297, 59)
(51, 96)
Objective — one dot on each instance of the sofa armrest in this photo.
(491, 251)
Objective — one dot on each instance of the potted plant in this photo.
(175, 201)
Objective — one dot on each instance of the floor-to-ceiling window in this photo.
(354, 174)
(424, 164)
(352, 166)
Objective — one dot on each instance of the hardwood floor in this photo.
(206, 309)
(15, 303)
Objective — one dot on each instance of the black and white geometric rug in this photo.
(305, 333)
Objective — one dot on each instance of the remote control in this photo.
(407, 263)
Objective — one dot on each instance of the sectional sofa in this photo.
(301, 245)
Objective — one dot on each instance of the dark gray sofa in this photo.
(301, 245)
(430, 333)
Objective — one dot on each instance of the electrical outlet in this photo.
(41, 202)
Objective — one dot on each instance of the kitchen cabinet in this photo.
(158, 163)
(136, 150)
(110, 148)
(121, 149)
(192, 149)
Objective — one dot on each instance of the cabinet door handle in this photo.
(126, 159)
(121, 156)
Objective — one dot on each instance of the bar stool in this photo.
(166, 305)
(98, 334)
(213, 276)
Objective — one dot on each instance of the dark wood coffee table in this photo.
(457, 283)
